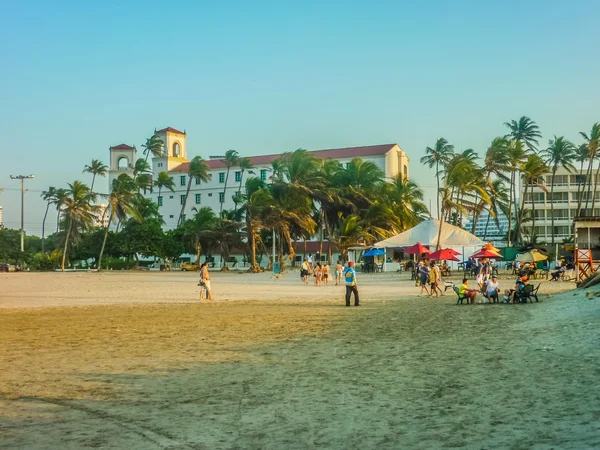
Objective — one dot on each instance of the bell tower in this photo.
(174, 150)
(122, 160)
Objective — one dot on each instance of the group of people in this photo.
(429, 276)
(321, 272)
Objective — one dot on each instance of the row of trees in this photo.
(304, 197)
(469, 185)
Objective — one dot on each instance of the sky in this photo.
(271, 76)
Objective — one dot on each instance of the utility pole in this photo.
(22, 178)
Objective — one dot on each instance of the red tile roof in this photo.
(334, 153)
(169, 130)
(122, 147)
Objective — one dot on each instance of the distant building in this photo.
(566, 188)
(488, 230)
(390, 158)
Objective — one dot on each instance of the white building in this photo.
(389, 157)
(564, 199)
(100, 217)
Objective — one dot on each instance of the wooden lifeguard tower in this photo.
(587, 246)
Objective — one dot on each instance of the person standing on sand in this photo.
(326, 274)
(424, 278)
(304, 271)
(205, 281)
(317, 274)
(350, 276)
(339, 269)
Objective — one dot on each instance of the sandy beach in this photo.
(135, 360)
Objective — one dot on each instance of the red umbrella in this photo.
(443, 255)
(451, 250)
(416, 249)
(486, 254)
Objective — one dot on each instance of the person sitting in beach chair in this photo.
(492, 290)
(559, 273)
(464, 293)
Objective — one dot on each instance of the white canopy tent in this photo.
(427, 234)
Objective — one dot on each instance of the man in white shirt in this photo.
(492, 288)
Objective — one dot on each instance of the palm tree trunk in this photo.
(93, 181)
(225, 189)
(329, 249)
(44, 226)
(579, 190)
(159, 189)
(437, 245)
(66, 246)
(595, 189)
(104, 243)
(487, 224)
(321, 232)
(57, 218)
(510, 207)
(240, 187)
(187, 193)
(518, 234)
(589, 182)
(437, 196)
(551, 203)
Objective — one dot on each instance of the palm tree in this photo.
(516, 155)
(252, 210)
(560, 153)
(164, 181)
(231, 159)
(96, 167)
(441, 153)
(59, 200)
(245, 165)
(499, 196)
(49, 197)
(153, 145)
(144, 181)
(581, 156)
(198, 169)
(592, 142)
(145, 209)
(78, 211)
(533, 168)
(141, 166)
(405, 201)
(200, 229)
(525, 131)
(122, 192)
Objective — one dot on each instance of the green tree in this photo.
(96, 167)
(560, 153)
(231, 159)
(516, 156)
(245, 165)
(120, 206)
(198, 231)
(525, 131)
(154, 145)
(440, 153)
(164, 181)
(592, 141)
(59, 200)
(198, 169)
(78, 212)
(533, 169)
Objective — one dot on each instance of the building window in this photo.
(221, 177)
(123, 163)
(159, 164)
(183, 217)
(160, 200)
(182, 180)
(263, 174)
(238, 177)
(405, 171)
(559, 197)
(197, 180)
(171, 197)
(182, 199)
(198, 198)
(562, 230)
(171, 216)
(221, 197)
(210, 194)
(176, 149)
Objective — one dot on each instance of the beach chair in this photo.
(460, 297)
(529, 292)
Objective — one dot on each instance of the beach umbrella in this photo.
(416, 249)
(489, 246)
(443, 255)
(375, 252)
(486, 254)
(451, 250)
(531, 256)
